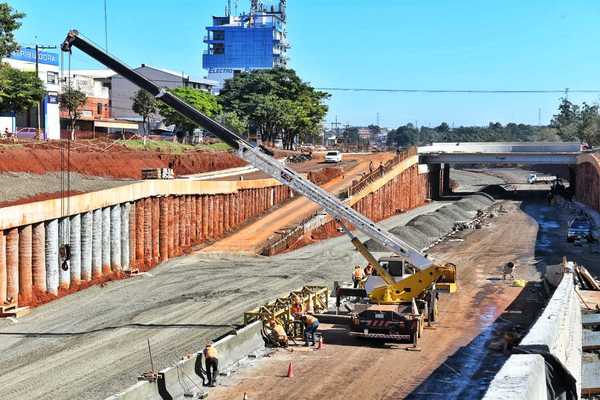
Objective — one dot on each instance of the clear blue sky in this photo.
(415, 44)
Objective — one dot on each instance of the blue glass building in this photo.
(256, 40)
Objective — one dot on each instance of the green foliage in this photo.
(199, 99)
(71, 101)
(19, 90)
(9, 23)
(144, 104)
(408, 135)
(234, 121)
(574, 122)
(276, 103)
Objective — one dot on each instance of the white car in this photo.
(333, 157)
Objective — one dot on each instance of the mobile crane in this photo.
(391, 292)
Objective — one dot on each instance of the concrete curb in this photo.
(185, 377)
(559, 331)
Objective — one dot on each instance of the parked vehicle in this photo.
(580, 228)
(535, 178)
(333, 157)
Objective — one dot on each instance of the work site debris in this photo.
(584, 279)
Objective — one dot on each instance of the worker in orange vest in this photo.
(311, 324)
(296, 308)
(211, 362)
(278, 333)
(357, 276)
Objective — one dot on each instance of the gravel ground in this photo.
(20, 185)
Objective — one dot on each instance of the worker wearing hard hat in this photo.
(368, 270)
(211, 362)
(311, 324)
(357, 276)
(278, 334)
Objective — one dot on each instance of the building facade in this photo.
(257, 40)
(48, 71)
(122, 91)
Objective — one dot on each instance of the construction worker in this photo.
(311, 323)
(368, 270)
(508, 270)
(296, 308)
(357, 276)
(278, 334)
(211, 363)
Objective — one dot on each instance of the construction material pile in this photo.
(425, 230)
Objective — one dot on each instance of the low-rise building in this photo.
(48, 71)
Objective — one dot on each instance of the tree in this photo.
(144, 104)
(9, 23)
(566, 120)
(202, 101)
(276, 103)
(71, 100)
(20, 90)
(234, 122)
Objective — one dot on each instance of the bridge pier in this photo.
(446, 189)
(435, 181)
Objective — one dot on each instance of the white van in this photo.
(333, 156)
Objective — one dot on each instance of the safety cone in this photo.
(290, 373)
(321, 343)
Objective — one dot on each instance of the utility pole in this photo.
(37, 74)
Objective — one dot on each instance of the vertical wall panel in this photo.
(106, 240)
(97, 244)
(176, 221)
(139, 233)
(147, 260)
(170, 226)
(2, 268)
(115, 238)
(193, 220)
(155, 230)
(25, 278)
(125, 210)
(75, 242)
(163, 229)
(132, 235)
(12, 265)
(188, 218)
(64, 276)
(52, 262)
(211, 217)
(199, 220)
(182, 223)
(38, 257)
(87, 241)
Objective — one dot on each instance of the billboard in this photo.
(28, 54)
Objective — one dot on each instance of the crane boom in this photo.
(258, 156)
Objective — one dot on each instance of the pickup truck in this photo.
(535, 178)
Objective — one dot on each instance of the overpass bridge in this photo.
(439, 157)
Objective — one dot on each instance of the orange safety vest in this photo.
(309, 320)
(358, 273)
(296, 308)
(210, 352)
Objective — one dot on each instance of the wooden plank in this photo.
(590, 378)
(16, 313)
(591, 340)
(590, 320)
(591, 297)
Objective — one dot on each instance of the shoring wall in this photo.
(587, 186)
(112, 232)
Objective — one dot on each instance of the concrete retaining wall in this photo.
(128, 228)
(558, 330)
(184, 377)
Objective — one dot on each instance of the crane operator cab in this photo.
(396, 266)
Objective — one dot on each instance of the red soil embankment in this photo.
(116, 162)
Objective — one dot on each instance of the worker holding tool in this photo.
(278, 334)
(357, 276)
(311, 324)
(211, 363)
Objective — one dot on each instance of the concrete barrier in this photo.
(556, 339)
(185, 378)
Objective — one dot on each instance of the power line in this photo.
(459, 91)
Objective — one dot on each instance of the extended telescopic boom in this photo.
(258, 156)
